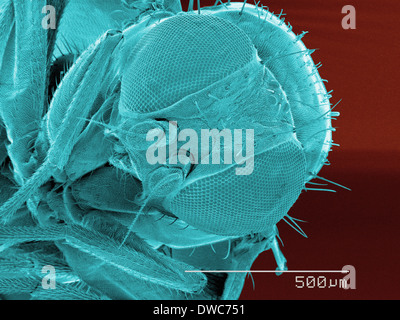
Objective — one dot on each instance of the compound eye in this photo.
(237, 205)
(181, 56)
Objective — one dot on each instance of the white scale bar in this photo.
(269, 271)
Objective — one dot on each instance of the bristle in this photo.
(292, 223)
(335, 183)
(244, 4)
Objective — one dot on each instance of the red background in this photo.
(358, 227)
